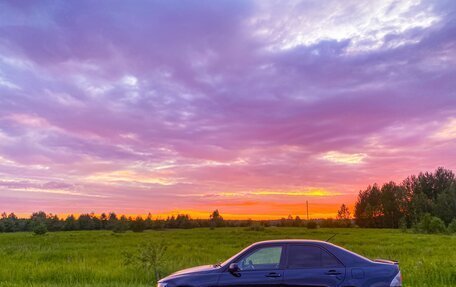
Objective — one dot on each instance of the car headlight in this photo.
(397, 281)
(162, 284)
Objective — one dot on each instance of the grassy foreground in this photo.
(94, 258)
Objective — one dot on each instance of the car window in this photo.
(306, 256)
(262, 259)
(329, 260)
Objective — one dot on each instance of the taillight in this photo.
(397, 281)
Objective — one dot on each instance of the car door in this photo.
(263, 266)
(309, 265)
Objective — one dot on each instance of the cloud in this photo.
(447, 132)
(289, 27)
(344, 158)
(57, 188)
(147, 103)
(307, 192)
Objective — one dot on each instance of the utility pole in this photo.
(307, 206)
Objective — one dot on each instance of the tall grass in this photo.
(94, 258)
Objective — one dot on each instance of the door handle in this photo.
(333, 272)
(272, 275)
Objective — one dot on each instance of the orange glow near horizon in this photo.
(315, 212)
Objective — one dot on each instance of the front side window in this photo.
(306, 256)
(262, 259)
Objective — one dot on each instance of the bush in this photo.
(312, 225)
(255, 227)
(149, 256)
(403, 224)
(138, 225)
(120, 228)
(430, 224)
(40, 229)
(452, 226)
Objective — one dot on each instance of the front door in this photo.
(312, 266)
(259, 268)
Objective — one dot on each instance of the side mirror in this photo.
(234, 267)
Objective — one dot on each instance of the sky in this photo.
(251, 107)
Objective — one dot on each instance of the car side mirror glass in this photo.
(234, 267)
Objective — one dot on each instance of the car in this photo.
(291, 263)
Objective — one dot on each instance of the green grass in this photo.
(94, 258)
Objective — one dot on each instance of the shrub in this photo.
(452, 226)
(430, 224)
(255, 227)
(120, 228)
(403, 224)
(138, 225)
(312, 224)
(40, 229)
(149, 256)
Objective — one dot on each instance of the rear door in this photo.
(309, 265)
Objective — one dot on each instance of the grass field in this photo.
(94, 258)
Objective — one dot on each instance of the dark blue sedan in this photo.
(291, 263)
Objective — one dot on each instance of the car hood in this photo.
(192, 271)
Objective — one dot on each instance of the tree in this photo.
(86, 222)
(159, 224)
(54, 223)
(392, 200)
(428, 193)
(183, 221)
(138, 225)
(112, 221)
(368, 208)
(445, 205)
(383, 207)
(38, 221)
(343, 213)
(122, 225)
(10, 222)
(149, 222)
(103, 221)
(216, 219)
(70, 223)
(40, 216)
(343, 216)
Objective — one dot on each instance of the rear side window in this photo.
(307, 256)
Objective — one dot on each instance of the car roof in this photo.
(289, 241)
(346, 256)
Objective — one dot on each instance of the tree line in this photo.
(426, 197)
(41, 222)
(105, 221)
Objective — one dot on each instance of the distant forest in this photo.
(404, 205)
(427, 199)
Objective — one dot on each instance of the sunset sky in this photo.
(251, 107)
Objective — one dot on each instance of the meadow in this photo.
(95, 258)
